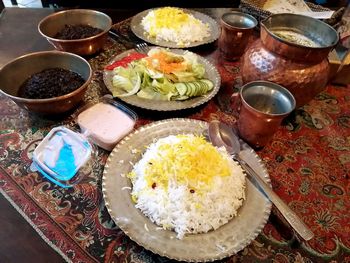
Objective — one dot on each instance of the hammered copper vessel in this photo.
(300, 63)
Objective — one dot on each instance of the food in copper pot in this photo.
(70, 32)
(296, 38)
(50, 83)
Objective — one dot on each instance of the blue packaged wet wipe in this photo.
(62, 156)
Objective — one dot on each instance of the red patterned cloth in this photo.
(308, 162)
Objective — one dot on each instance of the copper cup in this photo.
(236, 30)
(262, 105)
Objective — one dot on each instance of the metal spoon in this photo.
(222, 135)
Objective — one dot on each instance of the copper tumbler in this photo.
(236, 30)
(262, 105)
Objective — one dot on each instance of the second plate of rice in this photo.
(190, 217)
(175, 27)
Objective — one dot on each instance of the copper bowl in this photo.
(52, 24)
(14, 73)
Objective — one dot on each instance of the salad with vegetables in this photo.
(161, 75)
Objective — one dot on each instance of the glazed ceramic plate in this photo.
(139, 31)
(161, 105)
(223, 242)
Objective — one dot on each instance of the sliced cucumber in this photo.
(209, 84)
(194, 88)
(181, 88)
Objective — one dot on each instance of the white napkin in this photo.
(294, 7)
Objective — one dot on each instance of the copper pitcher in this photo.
(292, 51)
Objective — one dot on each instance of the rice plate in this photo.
(174, 25)
(184, 183)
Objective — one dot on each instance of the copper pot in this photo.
(292, 51)
(15, 72)
(50, 25)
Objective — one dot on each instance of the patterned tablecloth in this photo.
(308, 161)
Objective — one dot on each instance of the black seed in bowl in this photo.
(70, 32)
(50, 83)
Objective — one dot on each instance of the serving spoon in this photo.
(222, 135)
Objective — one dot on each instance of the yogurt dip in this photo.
(105, 124)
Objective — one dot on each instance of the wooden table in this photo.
(19, 242)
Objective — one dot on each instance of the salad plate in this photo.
(211, 73)
(217, 244)
(138, 30)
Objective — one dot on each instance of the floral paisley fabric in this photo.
(308, 161)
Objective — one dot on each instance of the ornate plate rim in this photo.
(159, 105)
(148, 245)
(215, 28)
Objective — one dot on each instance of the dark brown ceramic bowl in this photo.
(54, 23)
(14, 73)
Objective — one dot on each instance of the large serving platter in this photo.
(161, 105)
(138, 30)
(223, 242)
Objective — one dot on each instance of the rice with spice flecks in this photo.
(184, 183)
(174, 25)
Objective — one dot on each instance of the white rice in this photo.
(177, 208)
(192, 31)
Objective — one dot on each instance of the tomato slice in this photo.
(124, 62)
